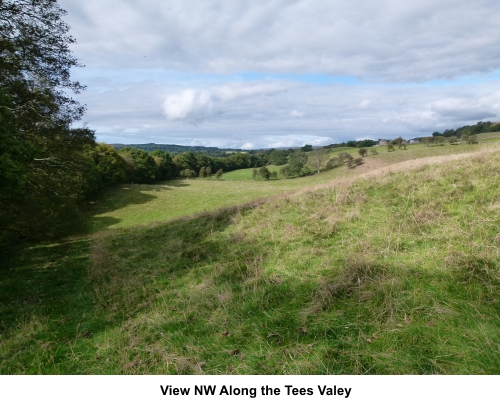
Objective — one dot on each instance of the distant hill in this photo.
(176, 149)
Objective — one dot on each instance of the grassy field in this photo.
(364, 271)
(246, 174)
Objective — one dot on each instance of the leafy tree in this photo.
(306, 148)
(188, 173)
(286, 172)
(452, 140)
(366, 143)
(334, 162)
(345, 157)
(277, 157)
(142, 166)
(472, 139)
(166, 168)
(390, 147)
(203, 173)
(400, 142)
(46, 167)
(186, 160)
(264, 173)
(351, 144)
(317, 158)
(274, 175)
(298, 160)
(110, 165)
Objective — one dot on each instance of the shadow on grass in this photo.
(45, 301)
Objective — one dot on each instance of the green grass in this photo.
(398, 274)
(246, 174)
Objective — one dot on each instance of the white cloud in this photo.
(189, 105)
(297, 114)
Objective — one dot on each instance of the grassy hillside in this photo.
(398, 272)
(133, 205)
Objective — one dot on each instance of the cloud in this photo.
(463, 109)
(384, 40)
(192, 106)
(297, 114)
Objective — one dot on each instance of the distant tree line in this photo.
(479, 128)
(176, 149)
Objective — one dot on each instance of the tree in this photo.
(39, 146)
(166, 168)
(111, 166)
(317, 158)
(306, 148)
(362, 152)
(286, 172)
(390, 147)
(219, 174)
(452, 140)
(264, 173)
(400, 142)
(142, 166)
(298, 160)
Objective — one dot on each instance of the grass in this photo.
(246, 174)
(398, 273)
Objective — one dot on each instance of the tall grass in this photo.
(394, 274)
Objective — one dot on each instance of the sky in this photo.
(282, 73)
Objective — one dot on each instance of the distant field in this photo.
(246, 174)
(130, 205)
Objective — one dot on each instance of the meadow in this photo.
(389, 268)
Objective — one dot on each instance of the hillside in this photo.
(395, 271)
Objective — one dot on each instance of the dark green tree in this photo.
(166, 168)
(45, 162)
(298, 159)
(142, 166)
(264, 173)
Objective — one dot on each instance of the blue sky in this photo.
(284, 72)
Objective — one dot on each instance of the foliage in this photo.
(141, 165)
(317, 158)
(45, 161)
(298, 160)
(306, 148)
(363, 152)
(166, 168)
